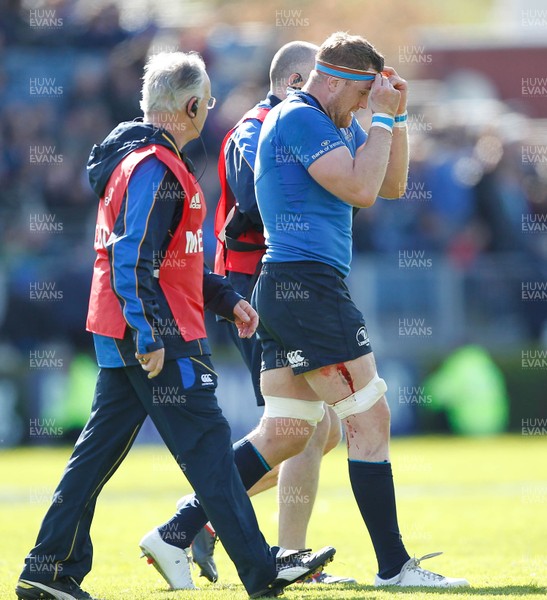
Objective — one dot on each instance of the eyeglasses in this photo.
(211, 103)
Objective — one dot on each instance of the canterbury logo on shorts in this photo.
(296, 359)
(207, 379)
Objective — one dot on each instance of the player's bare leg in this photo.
(354, 391)
(279, 438)
(367, 432)
(266, 483)
(298, 481)
(334, 435)
(301, 446)
(297, 489)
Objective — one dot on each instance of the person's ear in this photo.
(295, 80)
(192, 107)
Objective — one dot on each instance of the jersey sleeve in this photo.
(240, 159)
(305, 134)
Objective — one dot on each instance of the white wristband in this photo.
(382, 125)
(383, 120)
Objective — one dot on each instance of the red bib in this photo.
(181, 270)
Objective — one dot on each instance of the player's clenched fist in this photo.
(384, 98)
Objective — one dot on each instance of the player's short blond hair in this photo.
(352, 51)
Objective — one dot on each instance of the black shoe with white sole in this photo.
(293, 566)
(64, 588)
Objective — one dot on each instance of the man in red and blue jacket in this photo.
(148, 294)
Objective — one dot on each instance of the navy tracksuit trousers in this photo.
(182, 404)
(249, 348)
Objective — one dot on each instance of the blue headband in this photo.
(344, 72)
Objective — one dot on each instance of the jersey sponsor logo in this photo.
(327, 146)
(195, 202)
(207, 379)
(296, 359)
(362, 336)
(194, 242)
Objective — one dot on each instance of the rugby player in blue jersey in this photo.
(314, 165)
(239, 257)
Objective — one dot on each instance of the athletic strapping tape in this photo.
(344, 72)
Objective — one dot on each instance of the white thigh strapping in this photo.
(292, 408)
(362, 399)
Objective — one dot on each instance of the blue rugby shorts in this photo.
(307, 317)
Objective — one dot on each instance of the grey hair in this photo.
(171, 79)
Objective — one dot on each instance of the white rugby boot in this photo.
(412, 575)
(172, 563)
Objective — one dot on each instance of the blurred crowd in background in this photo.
(66, 81)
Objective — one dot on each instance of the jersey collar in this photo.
(308, 98)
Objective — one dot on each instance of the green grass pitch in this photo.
(481, 501)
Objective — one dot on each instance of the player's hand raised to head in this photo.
(400, 84)
(246, 319)
(384, 98)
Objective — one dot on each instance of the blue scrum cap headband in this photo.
(344, 72)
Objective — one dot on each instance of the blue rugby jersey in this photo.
(302, 220)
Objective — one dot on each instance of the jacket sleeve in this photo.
(139, 232)
(240, 158)
(218, 294)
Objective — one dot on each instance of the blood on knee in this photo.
(346, 376)
(327, 370)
